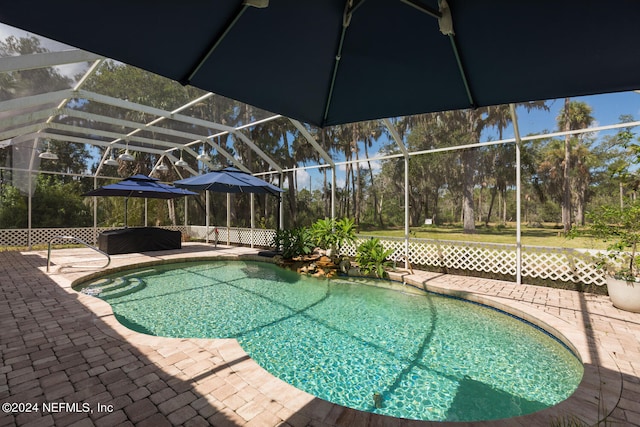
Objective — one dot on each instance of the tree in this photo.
(623, 151)
(431, 173)
(22, 83)
(574, 116)
(54, 204)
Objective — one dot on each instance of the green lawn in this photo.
(545, 236)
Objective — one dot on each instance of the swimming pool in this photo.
(409, 355)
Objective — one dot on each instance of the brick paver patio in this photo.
(66, 352)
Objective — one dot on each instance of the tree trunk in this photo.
(293, 205)
(425, 203)
(434, 210)
(172, 212)
(327, 200)
(580, 207)
(467, 193)
(373, 187)
(347, 193)
(379, 208)
(494, 191)
(566, 185)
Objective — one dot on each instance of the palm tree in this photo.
(575, 115)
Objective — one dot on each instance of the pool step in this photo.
(115, 288)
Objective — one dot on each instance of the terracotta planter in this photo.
(624, 295)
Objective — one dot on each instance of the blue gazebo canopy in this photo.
(140, 186)
(229, 180)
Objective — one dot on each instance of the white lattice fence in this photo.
(40, 236)
(234, 235)
(263, 237)
(200, 232)
(19, 237)
(567, 265)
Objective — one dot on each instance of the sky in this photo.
(607, 109)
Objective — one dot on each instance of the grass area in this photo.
(547, 235)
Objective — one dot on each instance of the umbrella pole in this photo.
(280, 204)
(253, 220)
(206, 198)
(228, 219)
(95, 214)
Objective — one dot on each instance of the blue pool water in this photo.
(428, 357)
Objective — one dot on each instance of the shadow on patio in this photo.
(58, 346)
(55, 350)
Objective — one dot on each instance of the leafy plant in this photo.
(322, 232)
(371, 257)
(294, 242)
(330, 234)
(345, 232)
(621, 226)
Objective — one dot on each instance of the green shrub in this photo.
(371, 257)
(330, 234)
(322, 233)
(620, 227)
(294, 242)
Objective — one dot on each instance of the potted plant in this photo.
(620, 227)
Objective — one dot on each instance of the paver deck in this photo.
(67, 352)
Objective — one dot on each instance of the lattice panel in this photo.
(568, 265)
(397, 246)
(244, 235)
(427, 254)
(19, 237)
(224, 235)
(41, 236)
(241, 236)
(200, 232)
(350, 249)
(263, 237)
(44, 235)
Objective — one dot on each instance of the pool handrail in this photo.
(80, 241)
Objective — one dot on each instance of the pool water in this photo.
(423, 356)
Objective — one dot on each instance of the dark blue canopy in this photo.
(140, 186)
(328, 62)
(229, 180)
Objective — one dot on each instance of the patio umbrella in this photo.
(139, 186)
(229, 180)
(328, 62)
